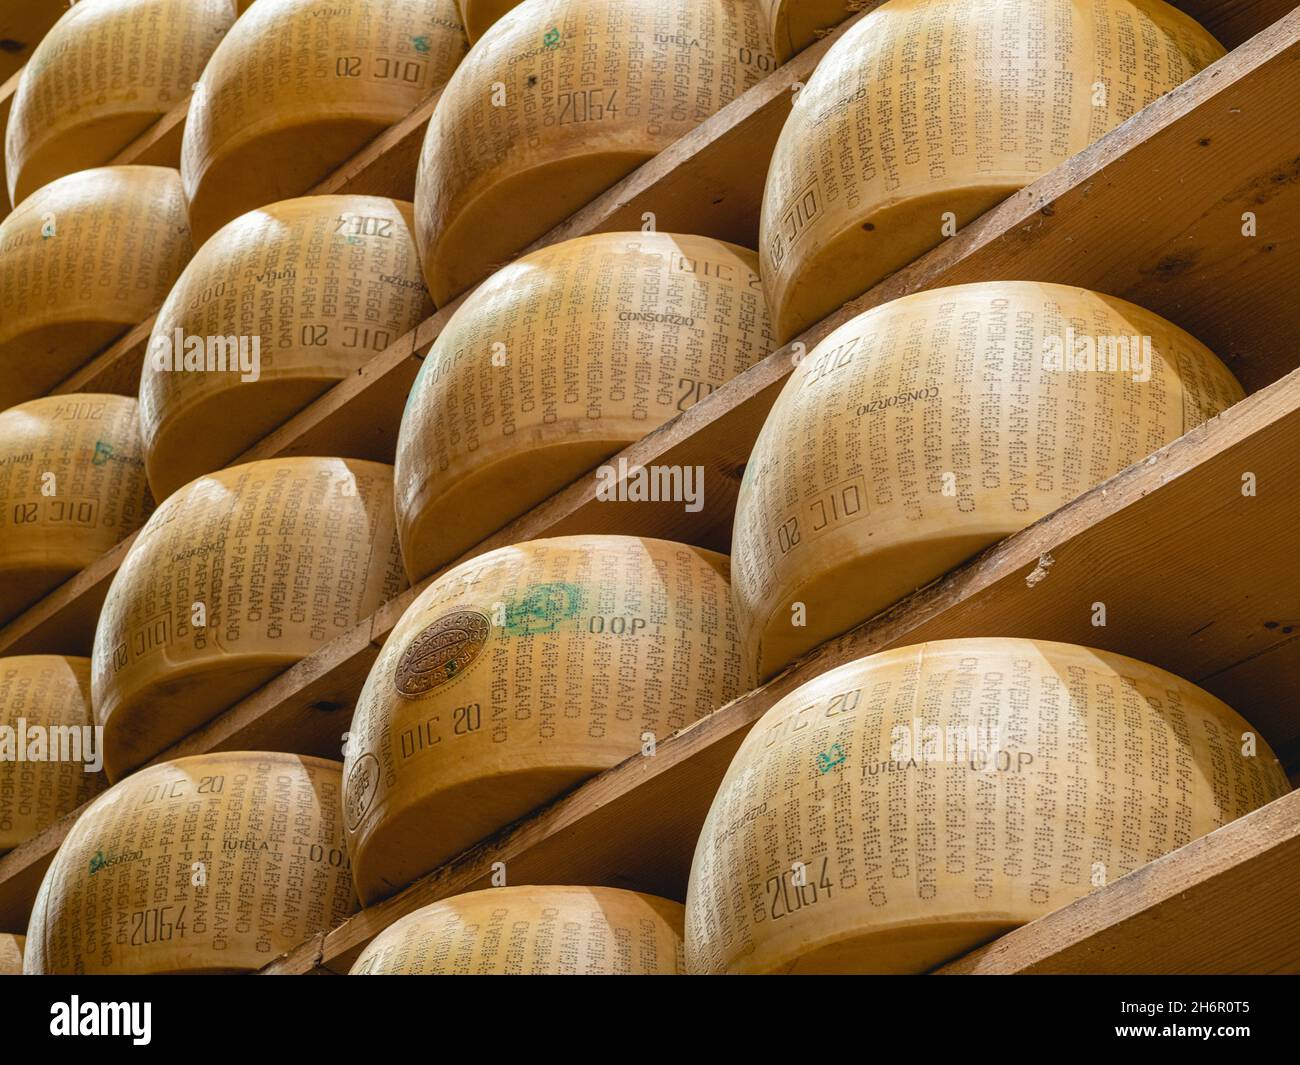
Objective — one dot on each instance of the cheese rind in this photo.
(480, 15)
(278, 306)
(560, 100)
(44, 721)
(905, 808)
(795, 24)
(519, 674)
(928, 428)
(926, 113)
(72, 485)
(11, 954)
(215, 863)
(559, 361)
(82, 261)
(298, 87)
(532, 931)
(236, 577)
(103, 75)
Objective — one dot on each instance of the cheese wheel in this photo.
(926, 429)
(559, 101)
(479, 15)
(216, 863)
(298, 87)
(235, 578)
(104, 74)
(926, 113)
(903, 809)
(519, 674)
(11, 954)
(48, 749)
(795, 24)
(82, 261)
(72, 485)
(559, 361)
(281, 304)
(532, 931)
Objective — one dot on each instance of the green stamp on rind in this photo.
(543, 608)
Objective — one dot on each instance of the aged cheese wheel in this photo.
(11, 954)
(532, 931)
(216, 863)
(795, 24)
(104, 74)
(905, 808)
(281, 304)
(926, 113)
(72, 485)
(82, 261)
(519, 674)
(559, 101)
(928, 428)
(48, 749)
(298, 87)
(479, 15)
(557, 362)
(235, 578)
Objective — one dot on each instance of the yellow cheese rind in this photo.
(45, 706)
(795, 24)
(560, 100)
(11, 954)
(480, 15)
(928, 428)
(72, 485)
(559, 361)
(923, 115)
(936, 796)
(314, 287)
(298, 87)
(215, 863)
(82, 261)
(104, 74)
(519, 674)
(532, 931)
(237, 576)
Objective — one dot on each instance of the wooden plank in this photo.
(160, 144)
(1235, 21)
(116, 369)
(387, 165)
(1228, 902)
(636, 825)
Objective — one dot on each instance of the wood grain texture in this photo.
(1228, 902)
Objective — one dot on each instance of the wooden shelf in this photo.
(1150, 540)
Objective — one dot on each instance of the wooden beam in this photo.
(1228, 902)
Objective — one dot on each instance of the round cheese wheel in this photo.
(926, 113)
(559, 361)
(926, 429)
(281, 304)
(521, 673)
(479, 15)
(903, 809)
(298, 87)
(48, 748)
(235, 578)
(11, 954)
(72, 485)
(216, 863)
(559, 101)
(795, 24)
(82, 261)
(104, 74)
(532, 931)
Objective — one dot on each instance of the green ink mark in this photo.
(552, 38)
(543, 609)
(353, 240)
(103, 452)
(825, 762)
(97, 862)
(421, 43)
